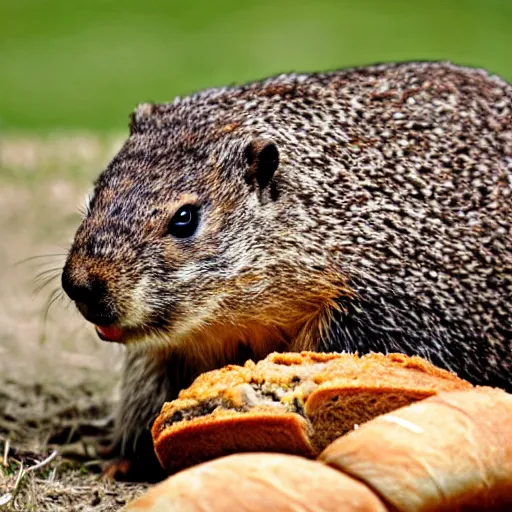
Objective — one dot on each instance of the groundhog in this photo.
(358, 210)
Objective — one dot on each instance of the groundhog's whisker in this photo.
(42, 286)
(56, 295)
(40, 257)
(44, 278)
(43, 273)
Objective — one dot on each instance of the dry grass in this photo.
(56, 378)
(33, 482)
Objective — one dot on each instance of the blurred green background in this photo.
(68, 64)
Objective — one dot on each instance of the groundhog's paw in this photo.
(117, 469)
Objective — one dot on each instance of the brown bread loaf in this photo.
(289, 403)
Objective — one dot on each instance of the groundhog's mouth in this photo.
(123, 335)
(110, 333)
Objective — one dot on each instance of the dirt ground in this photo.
(57, 380)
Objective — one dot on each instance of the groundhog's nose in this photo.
(88, 291)
(91, 296)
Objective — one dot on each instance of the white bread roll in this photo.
(258, 482)
(450, 452)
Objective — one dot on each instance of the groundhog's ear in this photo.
(263, 158)
(139, 119)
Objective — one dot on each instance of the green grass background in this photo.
(68, 64)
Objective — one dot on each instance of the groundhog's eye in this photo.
(185, 221)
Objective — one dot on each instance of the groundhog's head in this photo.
(191, 237)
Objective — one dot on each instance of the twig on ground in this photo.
(7, 445)
(44, 462)
(19, 476)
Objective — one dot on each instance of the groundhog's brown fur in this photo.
(359, 210)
